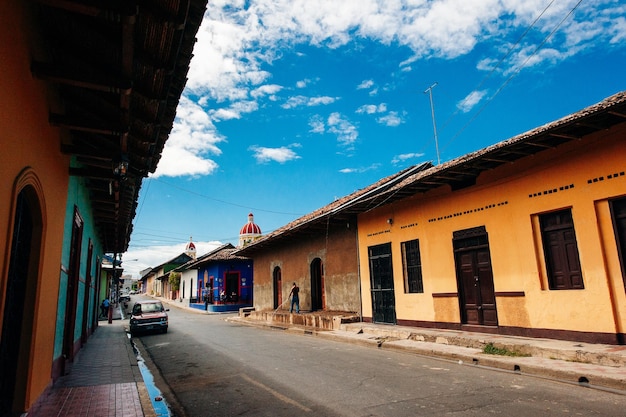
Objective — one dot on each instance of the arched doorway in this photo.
(317, 285)
(19, 299)
(278, 282)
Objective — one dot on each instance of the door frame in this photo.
(381, 284)
(318, 301)
(475, 242)
(277, 280)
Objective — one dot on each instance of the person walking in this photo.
(295, 298)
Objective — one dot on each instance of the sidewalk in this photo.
(104, 379)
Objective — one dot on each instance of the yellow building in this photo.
(526, 237)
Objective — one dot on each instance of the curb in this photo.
(605, 377)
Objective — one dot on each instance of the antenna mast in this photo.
(429, 90)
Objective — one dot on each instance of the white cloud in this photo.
(136, 260)
(406, 156)
(225, 114)
(365, 84)
(392, 119)
(192, 139)
(266, 90)
(280, 155)
(359, 170)
(304, 83)
(346, 132)
(298, 101)
(317, 124)
(372, 108)
(324, 100)
(471, 100)
(179, 162)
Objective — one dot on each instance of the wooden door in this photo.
(477, 298)
(618, 209)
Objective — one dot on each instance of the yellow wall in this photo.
(502, 201)
(27, 140)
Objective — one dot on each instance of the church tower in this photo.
(249, 232)
(190, 249)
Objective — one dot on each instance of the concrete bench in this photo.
(245, 311)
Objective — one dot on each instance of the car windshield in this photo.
(147, 308)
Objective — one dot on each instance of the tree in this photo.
(174, 280)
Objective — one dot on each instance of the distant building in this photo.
(218, 280)
(156, 281)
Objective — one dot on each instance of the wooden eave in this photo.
(116, 71)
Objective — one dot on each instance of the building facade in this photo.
(526, 237)
(76, 152)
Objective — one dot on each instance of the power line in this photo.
(501, 60)
(224, 201)
(516, 71)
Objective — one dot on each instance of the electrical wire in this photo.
(224, 201)
(513, 75)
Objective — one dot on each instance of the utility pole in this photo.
(429, 90)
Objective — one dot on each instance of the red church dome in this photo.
(250, 228)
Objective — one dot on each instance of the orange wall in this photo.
(516, 252)
(27, 140)
(338, 255)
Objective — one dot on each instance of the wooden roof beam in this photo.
(496, 160)
(564, 136)
(96, 173)
(46, 72)
(618, 114)
(539, 145)
(79, 124)
(109, 14)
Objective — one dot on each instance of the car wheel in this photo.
(165, 330)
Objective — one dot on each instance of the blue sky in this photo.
(293, 103)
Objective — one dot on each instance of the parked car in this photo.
(124, 297)
(148, 316)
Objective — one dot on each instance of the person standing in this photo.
(104, 308)
(295, 298)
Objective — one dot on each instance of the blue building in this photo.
(223, 281)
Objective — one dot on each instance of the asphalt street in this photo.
(206, 366)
